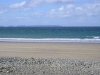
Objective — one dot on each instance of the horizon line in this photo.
(50, 26)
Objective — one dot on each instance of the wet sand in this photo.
(50, 50)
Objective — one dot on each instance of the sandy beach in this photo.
(50, 50)
(49, 58)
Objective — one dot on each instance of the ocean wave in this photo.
(96, 37)
(85, 40)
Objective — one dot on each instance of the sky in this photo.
(49, 12)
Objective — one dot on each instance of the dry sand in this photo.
(50, 50)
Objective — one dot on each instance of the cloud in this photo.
(20, 17)
(75, 10)
(18, 5)
(59, 1)
(68, 8)
(36, 3)
(42, 2)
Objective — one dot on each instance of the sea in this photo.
(50, 34)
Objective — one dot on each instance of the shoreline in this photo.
(50, 50)
(52, 40)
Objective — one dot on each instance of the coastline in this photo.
(50, 50)
(52, 40)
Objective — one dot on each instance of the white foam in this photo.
(86, 40)
(96, 37)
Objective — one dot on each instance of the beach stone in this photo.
(7, 70)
